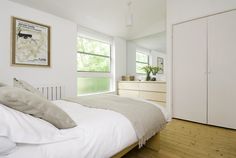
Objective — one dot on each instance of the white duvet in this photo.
(99, 134)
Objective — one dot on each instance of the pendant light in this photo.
(129, 17)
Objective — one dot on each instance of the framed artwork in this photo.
(30, 43)
(160, 63)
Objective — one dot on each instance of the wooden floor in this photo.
(182, 139)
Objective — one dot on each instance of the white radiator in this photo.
(52, 92)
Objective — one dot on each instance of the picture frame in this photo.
(160, 63)
(30, 43)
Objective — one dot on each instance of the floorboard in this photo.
(183, 139)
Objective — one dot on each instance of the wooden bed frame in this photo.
(153, 143)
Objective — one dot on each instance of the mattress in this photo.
(101, 134)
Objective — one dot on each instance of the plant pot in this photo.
(153, 79)
(148, 77)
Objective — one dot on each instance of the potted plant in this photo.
(148, 70)
(155, 70)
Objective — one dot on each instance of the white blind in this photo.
(143, 50)
(92, 34)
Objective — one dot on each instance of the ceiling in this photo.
(108, 16)
(156, 42)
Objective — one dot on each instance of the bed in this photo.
(100, 134)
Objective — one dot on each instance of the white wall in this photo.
(131, 60)
(182, 10)
(154, 55)
(63, 49)
(120, 58)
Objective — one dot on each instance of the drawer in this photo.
(129, 86)
(128, 93)
(155, 87)
(154, 96)
(160, 103)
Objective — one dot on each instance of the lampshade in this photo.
(129, 16)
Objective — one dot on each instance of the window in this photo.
(93, 66)
(142, 60)
(88, 85)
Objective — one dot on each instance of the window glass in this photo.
(92, 63)
(92, 84)
(142, 60)
(92, 46)
(140, 57)
(93, 57)
(139, 67)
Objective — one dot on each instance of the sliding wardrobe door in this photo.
(222, 68)
(189, 70)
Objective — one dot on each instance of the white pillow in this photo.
(29, 103)
(6, 146)
(25, 85)
(23, 128)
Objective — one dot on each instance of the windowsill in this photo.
(108, 92)
(143, 74)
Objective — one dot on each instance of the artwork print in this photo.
(30, 43)
(160, 63)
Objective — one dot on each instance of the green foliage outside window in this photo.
(93, 55)
(139, 68)
(92, 63)
(93, 46)
(142, 60)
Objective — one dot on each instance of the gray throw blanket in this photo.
(146, 118)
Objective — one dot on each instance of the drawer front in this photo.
(160, 103)
(129, 86)
(128, 93)
(155, 96)
(155, 87)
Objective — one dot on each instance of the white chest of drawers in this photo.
(154, 91)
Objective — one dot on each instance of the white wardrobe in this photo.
(204, 70)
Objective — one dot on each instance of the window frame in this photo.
(98, 55)
(140, 62)
(98, 74)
